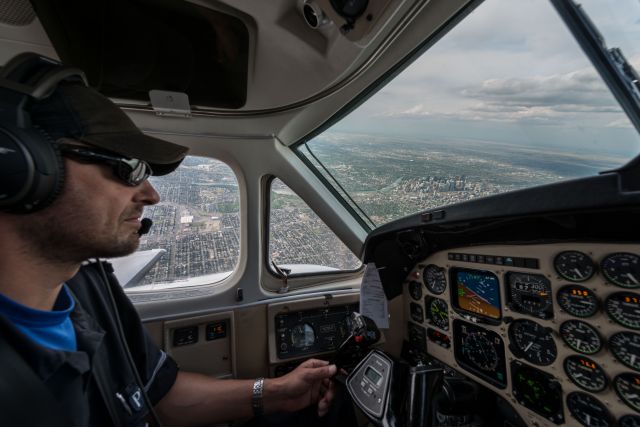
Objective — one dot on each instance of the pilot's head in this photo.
(102, 161)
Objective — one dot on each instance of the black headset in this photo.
(31, 167)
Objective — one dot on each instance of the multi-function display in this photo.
(476, 292)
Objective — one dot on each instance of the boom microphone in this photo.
(145, 226)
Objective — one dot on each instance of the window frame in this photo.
(205, 288)
(367, 93)
(295, 281)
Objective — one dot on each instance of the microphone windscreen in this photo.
(145, 226)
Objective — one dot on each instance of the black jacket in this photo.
(95, 382)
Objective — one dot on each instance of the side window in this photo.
(298, 239)
(195, 237)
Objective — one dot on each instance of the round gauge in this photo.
(302, 335)
(622, 269)
(574, 266)
(627, 386)
(624, 308)
(480, 351)
(415, 290)
(625, 346)
(417, 314)
(629, 421)
(581, 336)
(438, 312)
(588, 410)
(578, 301)
(434, 279)
(533, 342)
(585, 373)
(530, 294)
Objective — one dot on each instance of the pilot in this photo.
(65, 323)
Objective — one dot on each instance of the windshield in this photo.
(506, 100)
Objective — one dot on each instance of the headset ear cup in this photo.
(40, 170)
(57, 167)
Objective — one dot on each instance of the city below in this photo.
(197, 221)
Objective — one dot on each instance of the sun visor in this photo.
(129, 47)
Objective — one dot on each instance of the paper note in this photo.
(373, 301)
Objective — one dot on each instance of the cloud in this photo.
(622, 123)
(581, 90)
(414, 112)
(543, 100)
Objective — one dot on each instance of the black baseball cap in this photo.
(79, 112)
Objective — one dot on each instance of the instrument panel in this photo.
(555, 329)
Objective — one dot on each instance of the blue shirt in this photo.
(52, 329)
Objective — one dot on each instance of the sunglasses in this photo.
(132, 172)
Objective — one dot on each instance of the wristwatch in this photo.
(256, 397)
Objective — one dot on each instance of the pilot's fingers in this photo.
(314, 363)
(319, 373)
(325, 402)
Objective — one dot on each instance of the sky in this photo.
(511, 72)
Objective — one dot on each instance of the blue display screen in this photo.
(477, 292)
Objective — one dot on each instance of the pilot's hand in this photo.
(306, 385)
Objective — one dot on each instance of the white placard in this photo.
(373, 301)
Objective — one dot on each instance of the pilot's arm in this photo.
(197, 399)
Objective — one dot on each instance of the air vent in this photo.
(16, 12)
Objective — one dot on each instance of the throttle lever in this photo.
(362, 334)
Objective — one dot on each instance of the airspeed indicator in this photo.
(434, 279)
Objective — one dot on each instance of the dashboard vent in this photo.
(16, 12)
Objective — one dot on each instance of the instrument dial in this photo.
(434, 279)
(574, 266)
(481, 351)
(585, 373)
(530, 294)
(415, 290)
(625, 346)
(416, 312)
(302, 336)
(578, 301)
(581, 336)
(533, 342)
(588, 410)
(624, 308)
(627, 386)
(622, 269)
(438, 312)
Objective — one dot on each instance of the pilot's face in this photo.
(97, 215)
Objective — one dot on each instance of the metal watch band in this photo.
(256, 397)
